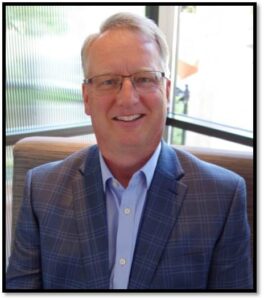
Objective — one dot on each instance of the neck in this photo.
(124, 164)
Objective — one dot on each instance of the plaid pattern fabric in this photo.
(194, 233)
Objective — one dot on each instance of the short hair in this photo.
(131, 22)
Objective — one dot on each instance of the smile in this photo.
(128, 118)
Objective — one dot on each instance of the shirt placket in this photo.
(124, 240)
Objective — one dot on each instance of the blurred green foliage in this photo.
(188, 8)
(35, 20)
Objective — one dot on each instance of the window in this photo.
(43, 68)
(214, 70)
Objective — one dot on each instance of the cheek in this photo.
(99, 107)
(158, 101)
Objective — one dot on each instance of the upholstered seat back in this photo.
(31, 152)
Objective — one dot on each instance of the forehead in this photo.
(122, 48)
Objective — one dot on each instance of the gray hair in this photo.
(134, 23)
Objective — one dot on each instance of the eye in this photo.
(144, 79)
(107, 82)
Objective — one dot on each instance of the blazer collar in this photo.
(169, 164)
(90, 214)
(163, 203)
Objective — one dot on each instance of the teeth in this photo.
(128, 118)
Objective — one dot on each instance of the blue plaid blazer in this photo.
(194, 232)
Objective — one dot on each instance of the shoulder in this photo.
(209, 183)
(66, 168)
(196, 170)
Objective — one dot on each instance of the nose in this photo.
(127, 94)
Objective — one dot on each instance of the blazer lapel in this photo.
(163, 204)
(90, 210)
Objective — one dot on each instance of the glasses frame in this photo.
(90, 80)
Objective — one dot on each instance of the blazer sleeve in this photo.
(231, 265)
(24, 270)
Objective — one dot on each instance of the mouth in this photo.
(130, 118)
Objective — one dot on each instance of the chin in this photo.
(139, 143)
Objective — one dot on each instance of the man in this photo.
(130, 212)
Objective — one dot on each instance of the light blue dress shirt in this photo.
(124, 210)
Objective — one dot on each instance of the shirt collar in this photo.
(148, 169)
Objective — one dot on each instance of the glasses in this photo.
(143, 81)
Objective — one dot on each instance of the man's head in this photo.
(134, 23)
(128, 112)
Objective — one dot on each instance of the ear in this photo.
(86, 98)
(168, 88)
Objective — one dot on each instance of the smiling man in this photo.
(130, 212)
(126, 94)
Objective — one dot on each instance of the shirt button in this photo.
(116, 183)
(127, 211)
(122, 261)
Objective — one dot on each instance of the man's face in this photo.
(126, 118)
